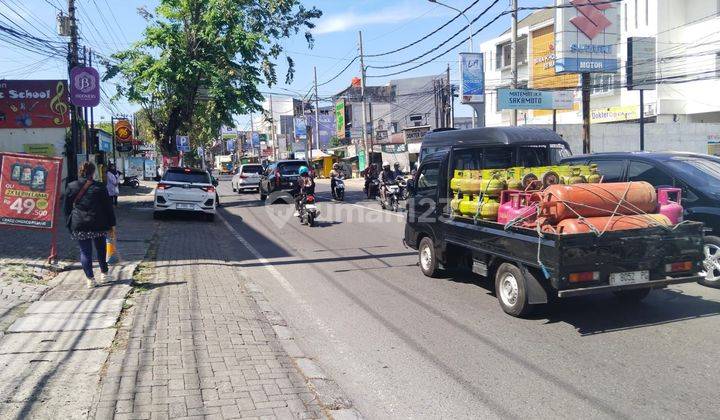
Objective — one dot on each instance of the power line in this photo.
(433, 32)
(340, 72)
(487, 9)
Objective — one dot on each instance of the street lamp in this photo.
(465, 16)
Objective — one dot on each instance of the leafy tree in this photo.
(201, 62)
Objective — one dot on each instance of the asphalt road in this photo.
(403, 345)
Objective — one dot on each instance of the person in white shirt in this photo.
(113, 181)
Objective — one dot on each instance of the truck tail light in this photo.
(678, 266)
(584, 276)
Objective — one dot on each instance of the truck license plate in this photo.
(185, 206)
(630, 277)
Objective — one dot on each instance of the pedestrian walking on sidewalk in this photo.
(90, 215)
(113, 183)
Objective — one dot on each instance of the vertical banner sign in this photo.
(472, 78)
(300, 127)
(230, 145)
(641, 63)
(84, 87)
(34, 104)
(587, 33)
(29, 186)
(340, 118)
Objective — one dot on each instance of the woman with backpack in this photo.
(90, 215)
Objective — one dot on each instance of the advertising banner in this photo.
(641, 65)
(29, 186)
(104, 142)
(134, 166)
(534, 99)
(84, 87)
(587, 33)
(340, 118)
(44, 149)
(34, 104)
(230, 145)
(150, 168)
(472, 78)
(300, 127)
(542, 67)
(326, 125)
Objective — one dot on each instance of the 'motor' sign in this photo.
(587, 33)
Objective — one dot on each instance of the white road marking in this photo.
(280, 278)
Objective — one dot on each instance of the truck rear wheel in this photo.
(428, 258)
(511, 291)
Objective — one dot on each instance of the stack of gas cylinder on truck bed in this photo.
(562, 200)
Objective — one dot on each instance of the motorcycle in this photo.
(308, 211)
(130, 181)
(392, 197)
(371, 191)
(338, 192)
(402, 184)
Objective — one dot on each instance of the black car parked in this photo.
(279, 176)
(697, 175)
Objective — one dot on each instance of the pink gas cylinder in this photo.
(515, 204)
(669, 207)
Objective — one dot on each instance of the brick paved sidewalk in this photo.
(197, 343)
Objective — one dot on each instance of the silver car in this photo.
(247, 177)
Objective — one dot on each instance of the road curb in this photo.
(328, 393)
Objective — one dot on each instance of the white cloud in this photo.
(346, 21)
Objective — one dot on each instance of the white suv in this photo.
(247, 177)
(186, 189)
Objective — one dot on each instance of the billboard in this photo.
(542, 66)
(326, 126)
(84, 87)
(300, 127)
(641, 65)
(472, 78)
(534, 99)
(29, 187)
(587, 34)
(340, 118)
(34, 104)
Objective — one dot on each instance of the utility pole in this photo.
(272, 130)
(252, 142)
(448, 99)
(364, 107)
(586, 111)
(317, 112)
(513, 57)
(74, 115)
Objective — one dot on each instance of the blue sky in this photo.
(385, 25)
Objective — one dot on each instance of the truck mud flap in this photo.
(536, 292)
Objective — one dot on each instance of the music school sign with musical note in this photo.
(34, 104)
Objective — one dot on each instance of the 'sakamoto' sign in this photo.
(34, 104)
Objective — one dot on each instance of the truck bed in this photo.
(559, 255)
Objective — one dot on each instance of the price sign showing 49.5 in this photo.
(29, 190)
(23, 206)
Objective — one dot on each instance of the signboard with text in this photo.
(472, 78)
(84, 87)
(34, 104)
(29, 186)
(587, 33)
(542, 66)
(340, 118)
(534, 99)
(183, 143)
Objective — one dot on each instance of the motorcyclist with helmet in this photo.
(371, 174)
(305, 186)
(335, 173)
(387, 177)
(396, 170)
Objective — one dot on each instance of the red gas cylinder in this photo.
(610, 223)
(515, 204)
(560, 202)
(669, 207)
